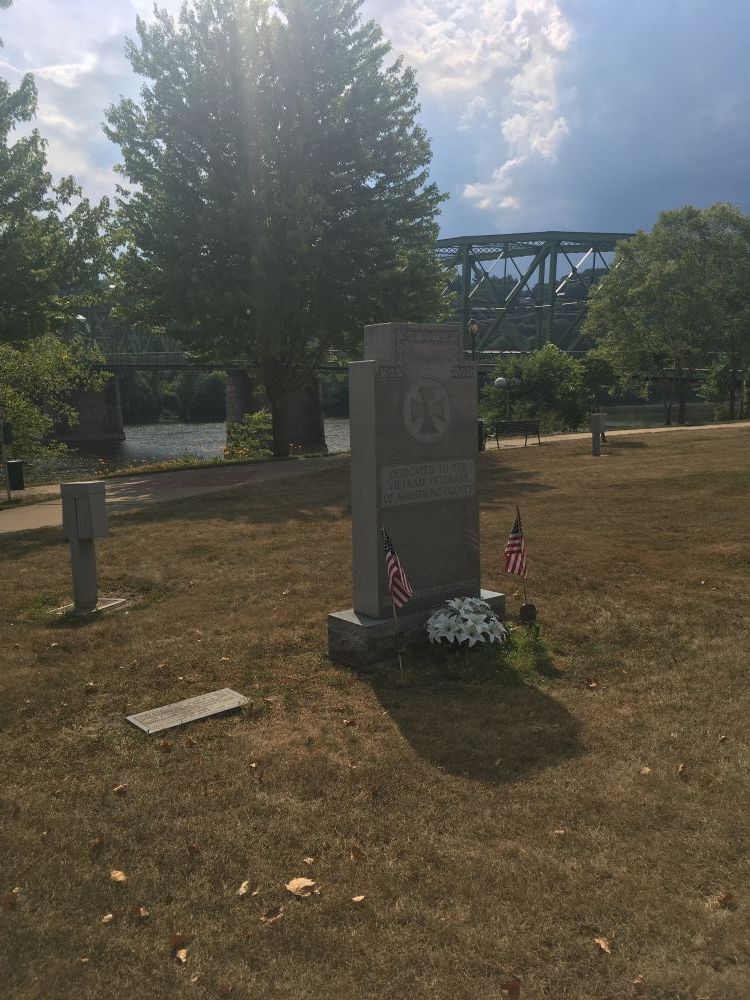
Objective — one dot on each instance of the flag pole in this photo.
(395, 636)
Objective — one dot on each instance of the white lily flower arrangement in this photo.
(466, 620)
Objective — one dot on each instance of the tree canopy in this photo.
(52, 241)
(676, 297)
(548, 384)
(281, 196)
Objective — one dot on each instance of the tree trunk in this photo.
(280, 444)
(682, 391)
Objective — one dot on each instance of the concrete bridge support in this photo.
(303, 410)
(99, 417)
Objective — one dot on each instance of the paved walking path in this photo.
(137, 491)
(131, 492)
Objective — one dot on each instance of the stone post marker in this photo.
(84, 519)
(413, 420)
(597, 423)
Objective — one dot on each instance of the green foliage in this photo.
(335, 394)
(675, 297)
(251, 439)
(720, 381)
(280, 192)
(52, 242)
(547, 384)
(36, 380)
(191, 396)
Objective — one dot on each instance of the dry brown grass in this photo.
(502, 828)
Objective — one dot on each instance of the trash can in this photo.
(480, 434)
(15, 475)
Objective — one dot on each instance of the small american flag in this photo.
(515, 549)
(398, 584)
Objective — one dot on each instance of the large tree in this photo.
(675, 297)
(281, 195)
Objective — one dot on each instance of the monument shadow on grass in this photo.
(483, 732)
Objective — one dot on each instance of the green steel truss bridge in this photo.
(511, 291)
(519, 290)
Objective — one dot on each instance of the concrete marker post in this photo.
(597, 424)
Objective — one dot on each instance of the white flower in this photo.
(465, 619)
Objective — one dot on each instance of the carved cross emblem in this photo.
(427, 411)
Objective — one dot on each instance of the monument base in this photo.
(359, 641)
(102, 605)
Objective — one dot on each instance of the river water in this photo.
(147, 443)
(158, 442)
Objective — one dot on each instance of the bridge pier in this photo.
(99, 417)
(303, 410)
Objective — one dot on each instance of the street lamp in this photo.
(473, 327)
(506, 383)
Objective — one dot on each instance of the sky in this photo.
(568, 115)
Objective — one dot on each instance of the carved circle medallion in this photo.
(427, 410)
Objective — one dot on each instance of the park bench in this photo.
(516, 428)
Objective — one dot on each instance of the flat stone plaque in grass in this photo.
(189, 710)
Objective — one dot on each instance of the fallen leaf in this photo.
(561, 832)
(11, 898)
(356, 854)
(309, 861)
(84, 960)
(592, 682)
(512, 987)
(358, 899)
(194, 979)
(272, 915)
(349, 722)
(121, 789)
(181, 955)
(723, 739)
(224, 659)
(603, 945)
(639, 986)
(140, 913)
(96, 843)
(179, 941)
(117, 876)
(193, 849)
(91, 688)
(108, 918)
(681, 769)
(302, 886)
(645, 770)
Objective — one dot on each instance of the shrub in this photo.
(250, 439)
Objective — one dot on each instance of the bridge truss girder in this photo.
(529, 255)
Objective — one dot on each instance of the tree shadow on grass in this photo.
(495, 731)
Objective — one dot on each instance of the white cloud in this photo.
(68, 74)
(503, 55)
